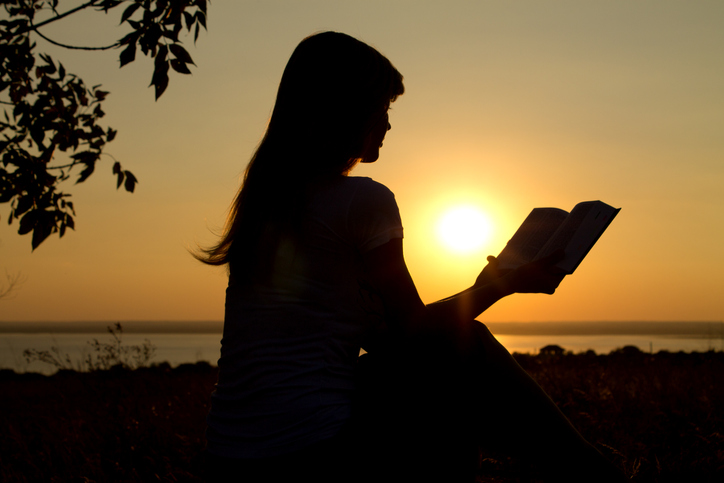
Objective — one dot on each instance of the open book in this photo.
(547, 229)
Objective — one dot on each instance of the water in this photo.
(184, 348)
(172, 348)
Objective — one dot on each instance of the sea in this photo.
(190, 342)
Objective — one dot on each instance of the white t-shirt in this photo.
(290, 345)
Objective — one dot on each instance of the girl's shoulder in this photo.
(352, 195)
(361, 186)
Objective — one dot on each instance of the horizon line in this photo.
(711, 328)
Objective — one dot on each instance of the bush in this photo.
(104, 355)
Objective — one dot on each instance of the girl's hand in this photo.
(490, 272)
(540, 276)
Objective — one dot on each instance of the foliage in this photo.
(51, 113)
(103, 356)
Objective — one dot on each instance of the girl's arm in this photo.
(388, 273)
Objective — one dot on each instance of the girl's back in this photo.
(291, 340)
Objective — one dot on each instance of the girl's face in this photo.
(373, 143)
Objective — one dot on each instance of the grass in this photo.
(659, 417)
(102, 355)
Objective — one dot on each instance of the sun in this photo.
(463, 229)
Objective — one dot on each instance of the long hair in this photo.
(331, 91)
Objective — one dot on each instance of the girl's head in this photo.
(333, 91)
(330, 113)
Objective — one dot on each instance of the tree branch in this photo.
(35, 27)
(64, 166)
(73, 47)
(111, 156)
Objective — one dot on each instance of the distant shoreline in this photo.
(101, 327)
(692, 329)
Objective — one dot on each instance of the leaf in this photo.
(160, 72)
(150, 39)
(160, 80)
(128, 12)
(118, 171)
(180, 53)
(66, 222)
(87, 171)
(179, 67)
(171, 34)
(45, 69)
(98, 112)
(7, 188)
(120, 179)
(201, 18)
(43, 229)
(129, 54)
(24, 204)
(37, 132)
(89, 158)
(189, 20)
(27, 222)
(100, 95)
(129, 38)
(131, 181)
(161, 55)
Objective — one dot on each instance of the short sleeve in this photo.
(373, 217)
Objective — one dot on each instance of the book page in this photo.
(579, 232)
(530, 237)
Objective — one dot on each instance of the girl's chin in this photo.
(370, 159)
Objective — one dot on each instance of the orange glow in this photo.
(506, 108)
(463, 229)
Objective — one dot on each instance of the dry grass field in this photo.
(659, 417)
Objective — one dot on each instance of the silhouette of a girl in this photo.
(316, 272)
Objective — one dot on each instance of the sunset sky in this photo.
(508, 106)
